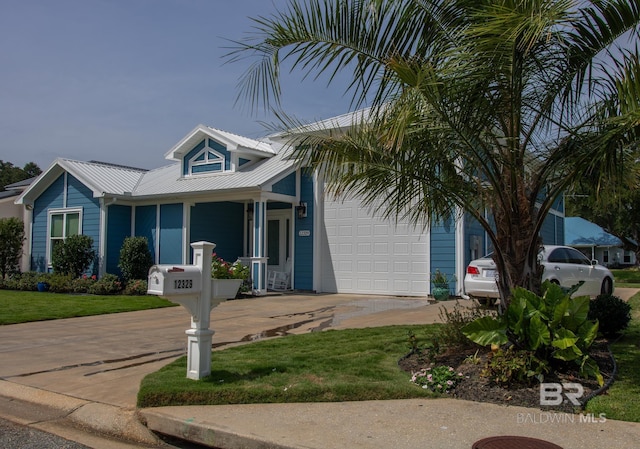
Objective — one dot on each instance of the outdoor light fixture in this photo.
(302, 210)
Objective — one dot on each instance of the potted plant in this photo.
(440, 281)
(226, 278)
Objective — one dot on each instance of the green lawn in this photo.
(23, 307)
(348, 365)
(621, 401)
(628, 277)
(345, 365)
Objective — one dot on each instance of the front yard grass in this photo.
(621, 401)
(349, 365)
(22, 307)
(344, 365)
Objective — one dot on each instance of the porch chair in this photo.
(280, 280)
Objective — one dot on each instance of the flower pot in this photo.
(43, 286)
(222, 289)
(440, 292)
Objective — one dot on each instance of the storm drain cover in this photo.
(513, 442)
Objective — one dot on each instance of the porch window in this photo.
(627, 256)
(62, 224)
(605, 256)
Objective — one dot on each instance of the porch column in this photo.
(259, 259)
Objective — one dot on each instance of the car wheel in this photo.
(607, 287)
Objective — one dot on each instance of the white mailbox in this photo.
(174, 280)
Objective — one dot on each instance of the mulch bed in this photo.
(475, 387)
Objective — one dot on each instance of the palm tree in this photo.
(491, 108)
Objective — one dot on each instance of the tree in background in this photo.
(10, 174)
(614, 207)
(474, 105)
(11, 239)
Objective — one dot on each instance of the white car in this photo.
(563, 265)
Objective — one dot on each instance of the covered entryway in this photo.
(365, 254)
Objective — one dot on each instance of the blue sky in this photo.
(122, 81)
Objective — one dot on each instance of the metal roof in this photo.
(104, 178)
(168, 180)
(581, 232)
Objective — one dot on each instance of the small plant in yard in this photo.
(82, 284)
(109, 284)
(455, 319)
(441, 379)
(136, 287)
(511, 366)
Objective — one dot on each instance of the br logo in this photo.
(552, 393)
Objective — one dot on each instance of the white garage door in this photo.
(363, 254)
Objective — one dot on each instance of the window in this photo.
(605, 256)
(627, 257)
(206, 161)
(62, 224)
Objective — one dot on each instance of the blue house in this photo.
(250, 199)
(596, 243)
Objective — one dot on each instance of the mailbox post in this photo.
(190, 286)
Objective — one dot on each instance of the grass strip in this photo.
(22, 307)
(335, 365)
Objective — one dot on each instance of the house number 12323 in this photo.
(182, 283)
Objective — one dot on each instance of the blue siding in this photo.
(443, 248)
(78, 196)
(472, 230)
(304, 244)
(189, 155)
(51, 198)
(286, 186)
(171, 233)
(220, 223)
(215, 146)
(146, 226)
(118, 229)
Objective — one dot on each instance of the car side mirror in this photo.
(594, 262)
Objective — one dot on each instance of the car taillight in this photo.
(472, 270)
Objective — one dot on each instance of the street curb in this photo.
(101, 418)
(203, 433)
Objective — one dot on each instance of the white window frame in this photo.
(207, 161)
(64, 212)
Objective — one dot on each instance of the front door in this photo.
(278, 239)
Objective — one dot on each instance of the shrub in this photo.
(11, 239)
(109, 284)
(613, 314)
(59, 283)
(73, 255)
(554, 327)
(450, 334)
(82, 284)
(135, 258)
(27, 281)
(508, 366)
(136, 287)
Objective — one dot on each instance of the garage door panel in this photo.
(363, 254)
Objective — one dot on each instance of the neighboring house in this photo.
(254, 203)
(8, 208)
(596, 243)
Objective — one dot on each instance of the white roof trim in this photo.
(233, 142)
